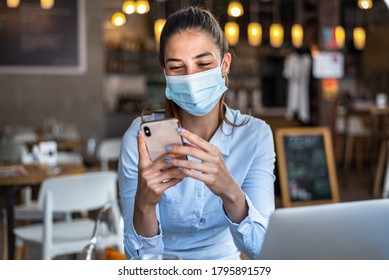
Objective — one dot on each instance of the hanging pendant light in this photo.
(13, 3)
(160, 22)
(297, 35)
(118, 19)
(47, 4)
(365, 4)
(235, 9)
(129, 7)
(276, 35)
(158, 26)
(231, 30)
(254, 28)
(254, 32)
(142, 7)
(276, 29)
(340, 37)
(359, 36)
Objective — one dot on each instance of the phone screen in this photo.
(159, 134)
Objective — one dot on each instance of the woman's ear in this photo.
(226, 64)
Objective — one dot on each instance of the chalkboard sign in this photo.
(38, 41)
(306, 166)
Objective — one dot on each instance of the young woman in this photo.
(222, 206)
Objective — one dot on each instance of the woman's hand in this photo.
(212, 171)
(154, 177)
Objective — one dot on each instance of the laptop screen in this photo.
(346, 230)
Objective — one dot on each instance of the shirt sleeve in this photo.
(258, 187)
(134, 244)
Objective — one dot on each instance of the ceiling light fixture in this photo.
(47, 4)
(359, 36)
(231, 30)
(276, 29)
(13, 3)
(365, 4)
(254, 30)
(142, 7)
(297, 35)
(129, 7)
(340, 37)
(118, 19)
(235, 9)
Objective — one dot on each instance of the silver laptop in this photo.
(346, 230)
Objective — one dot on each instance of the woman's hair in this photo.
(192, 18)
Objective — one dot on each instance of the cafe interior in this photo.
(74, 74)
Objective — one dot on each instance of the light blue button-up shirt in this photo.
(192, 222)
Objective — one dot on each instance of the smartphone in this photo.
(159, 134)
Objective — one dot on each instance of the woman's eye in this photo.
(204, 64)
(175, 68)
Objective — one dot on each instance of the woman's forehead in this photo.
(193, 44)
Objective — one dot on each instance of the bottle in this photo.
(91, 147)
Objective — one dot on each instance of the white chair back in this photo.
(11, 152)
(75, 193)
(108, 150)
(69, 158)
(25, 136)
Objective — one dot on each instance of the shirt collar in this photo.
(222, 136)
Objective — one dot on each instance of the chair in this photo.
(108, 150)
(29, 209)
(11, 152)
(355, 130)
(69, 194)
(25, 137)
(69, 158)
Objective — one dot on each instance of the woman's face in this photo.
(191, 52)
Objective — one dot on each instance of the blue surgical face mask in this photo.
(197, 93)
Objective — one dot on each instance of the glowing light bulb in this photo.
(340, 36)
(297, 35)
(231, 31)
(128, 7)
(276, 35)
(254, 32)
(235, 9)
(158, 26)
(118, 19)
(142, 7)
(359, 35)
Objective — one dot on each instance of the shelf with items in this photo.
(121, 61)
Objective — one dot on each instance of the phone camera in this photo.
(147, 131)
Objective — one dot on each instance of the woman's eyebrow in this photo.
(172, 59)
(203, 55)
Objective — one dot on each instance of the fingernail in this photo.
(169, 148)
(180, 129)
(168, 159)
(180, 168)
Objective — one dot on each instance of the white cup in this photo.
(381, 100)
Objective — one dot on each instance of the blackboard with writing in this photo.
(306, 166)
(38, 40)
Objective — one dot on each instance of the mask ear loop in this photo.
(227, 71)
